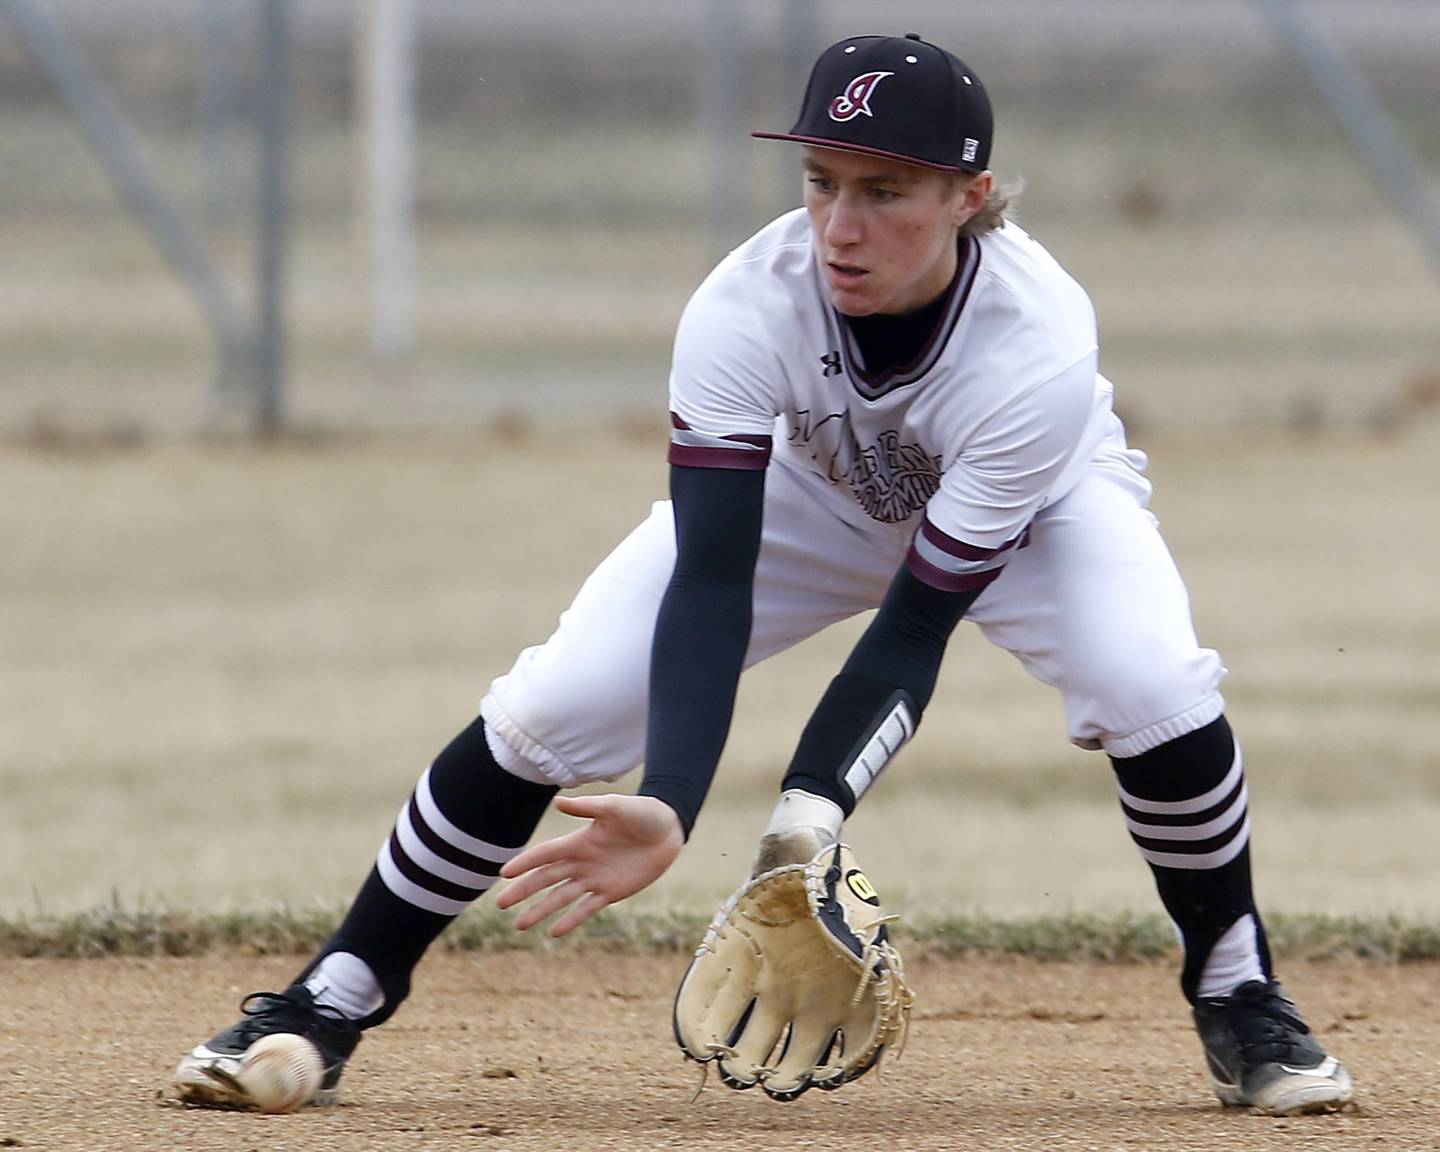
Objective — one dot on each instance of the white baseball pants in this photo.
(1092, 605)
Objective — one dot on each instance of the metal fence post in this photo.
(269, 350)
(1361, 116)
(106, 131)
(387, 83)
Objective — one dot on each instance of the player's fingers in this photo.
(546, 852)
(554, 900)
(579, 913)
(531, 883)
(586, 806)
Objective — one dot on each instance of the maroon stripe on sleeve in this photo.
(922, 569)
(735, 458)
(706, 450)
(758, 439)
(963, 551)
(750, 438)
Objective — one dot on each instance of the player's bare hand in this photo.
(628, 844)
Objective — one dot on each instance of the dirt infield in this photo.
(572, 1051)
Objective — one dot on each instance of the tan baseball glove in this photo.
(796, 984)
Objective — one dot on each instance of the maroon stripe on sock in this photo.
(1193, 847)
(1185, 819)
(445, 850)
(428, 880)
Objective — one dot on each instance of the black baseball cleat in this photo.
(206, 1075)
(1263, 1056)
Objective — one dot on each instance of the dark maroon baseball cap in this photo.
(896, 96)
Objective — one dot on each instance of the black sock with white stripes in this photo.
(1186, 806)
(466, 817)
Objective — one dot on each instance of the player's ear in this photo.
(970, 197)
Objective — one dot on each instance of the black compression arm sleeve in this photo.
(894, 664)
(702, 632)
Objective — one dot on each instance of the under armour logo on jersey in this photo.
(855, 100)
(831, 360)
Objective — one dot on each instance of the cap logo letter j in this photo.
(855, 100)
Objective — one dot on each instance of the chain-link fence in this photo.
(578, 167)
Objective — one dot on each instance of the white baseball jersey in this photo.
(1001, 433)
(997, 417)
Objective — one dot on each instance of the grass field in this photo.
(225, 664)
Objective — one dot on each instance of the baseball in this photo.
(281, 1072)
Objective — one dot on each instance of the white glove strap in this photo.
(797, 809)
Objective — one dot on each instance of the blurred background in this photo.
(500, 208)
(316, 317)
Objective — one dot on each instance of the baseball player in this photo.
(889, 399)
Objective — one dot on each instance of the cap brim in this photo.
(846, 146)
